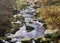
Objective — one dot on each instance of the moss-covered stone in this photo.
(55, 36)
(37, 39)
(45, 40)
(26, 40)
(47, 36)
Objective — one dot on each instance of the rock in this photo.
(50, 31)
(26, 40)
(8, 39)
(1, 41)
(37, 39)
(5, 41)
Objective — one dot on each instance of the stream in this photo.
(28, 14)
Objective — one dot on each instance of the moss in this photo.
(37, 39)
(21, 18)
(45, 40)
(55, 36)
(47, 36)
(23, 7)
(26, 40)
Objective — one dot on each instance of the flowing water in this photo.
(38, 26)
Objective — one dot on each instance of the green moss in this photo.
(45, 40)
(37, 39)
(23, 7)
(3, 38)
(21, 18)
(55, 36)
(26, 40)
(47, 36)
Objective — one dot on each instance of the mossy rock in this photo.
(4, 38)
(37, 39)
(55, 36)
(23, 7)
(47, 36)
(26, 40)
(8, 39)
(46, 40)
(11, 42)
(13, 30)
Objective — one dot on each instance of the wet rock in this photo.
(48, 31)
(1, 41)
(26, 40)
(37, 39)
(29, 28)
(8, 39)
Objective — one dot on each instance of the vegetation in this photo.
(48, 11)
(6, 12)
(50, 14)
